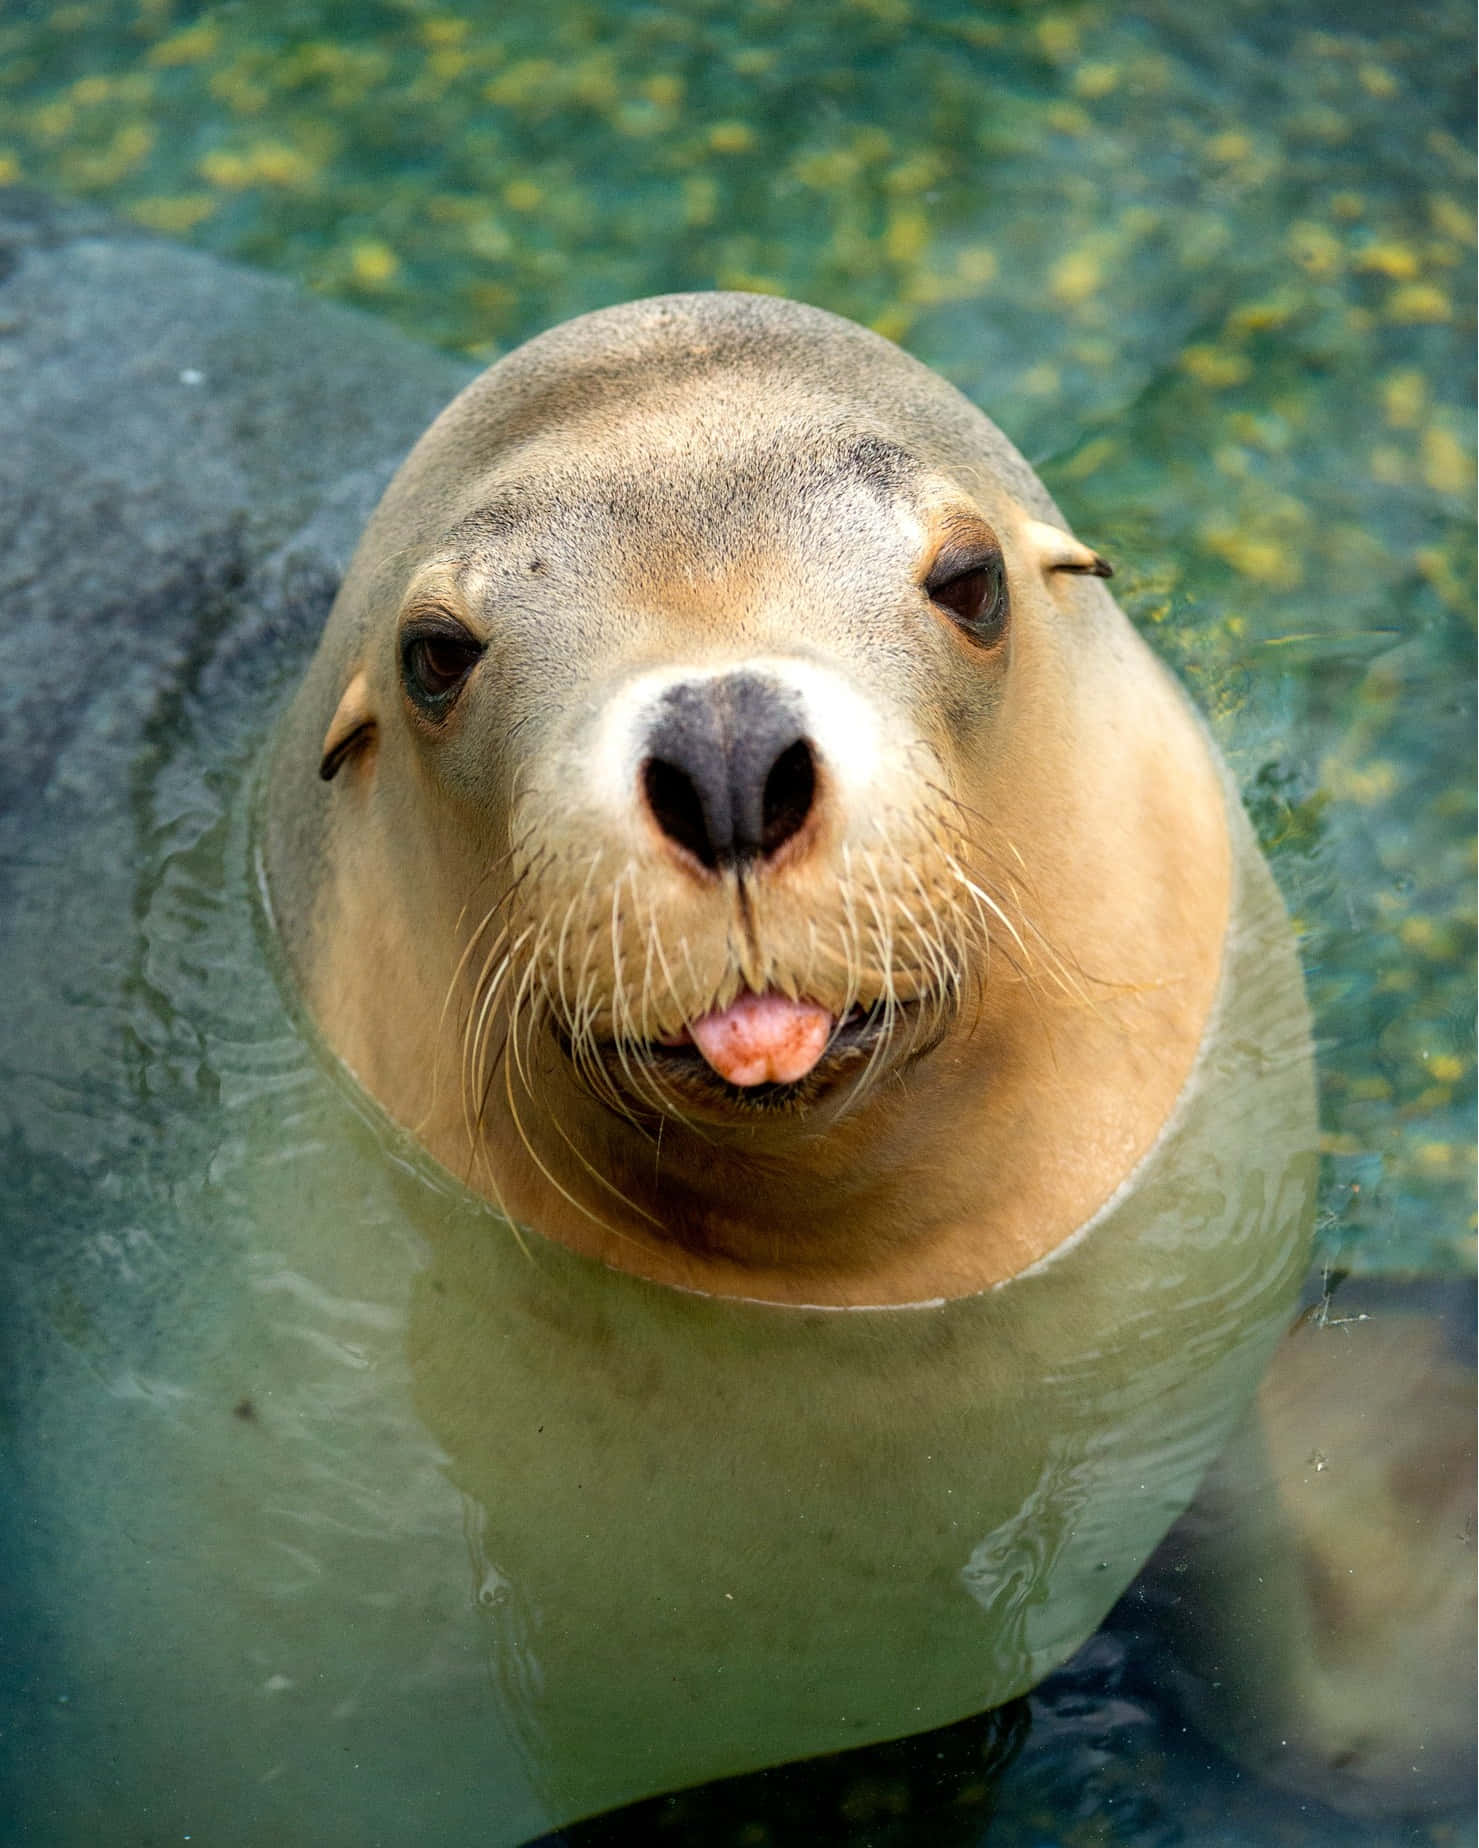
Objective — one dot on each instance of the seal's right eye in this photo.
(436, 658)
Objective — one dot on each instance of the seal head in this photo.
(730, 822)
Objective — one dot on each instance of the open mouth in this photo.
(762, 1053)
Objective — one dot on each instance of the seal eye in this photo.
(436, 657)
(975, 598)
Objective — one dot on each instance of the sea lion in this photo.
(730, 824)
(730, 821)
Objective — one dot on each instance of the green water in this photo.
(1214, 275)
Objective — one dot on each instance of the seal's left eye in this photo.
(975, 598)
(435, 660)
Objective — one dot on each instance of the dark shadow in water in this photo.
(932, 1790)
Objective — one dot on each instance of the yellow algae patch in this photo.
(1230, 146)
(175, 215)
(443, 29)
(1377, 80)
(1262, 317)
(1090, 459)
(89, 90)
(1075, 277)
(665, 88)
(493, 298)
(447, 62)
(192, 46)
(1057, 38)
(1435, 1155)
(265, 163)
(1215, 367)
(914, 175)
(596, 82)
(1446, 1068)
(1069, 119)
(1253, 555)
(239, 91)
(752, 60)
(530, 80)
(1091, 81)
(1347, 206)
(700, 199)
(275, 163)
(10, 167)
(129, 147)
(1399, 261)
(1365, 784)
(1095, 352)
(53, 121)
(226, 169)
(372, 263)
(1438, 569)
(1316, 249)
(826, 171)
(487, 238)
(1418, 304)
(977, 265)
(748, 282)
(1445, 466)
(1042, 380)
(731, 137)
(1404, 398)
(926, 288)
(906, 237)
(893, 323)
(523, 196)
(1423, 935)
(1450, 218)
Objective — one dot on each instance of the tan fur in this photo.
(1042, 853)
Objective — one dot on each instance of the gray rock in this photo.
(187, 454)
(187, 451)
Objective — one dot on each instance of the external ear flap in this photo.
(351, 728)
(1057, 551)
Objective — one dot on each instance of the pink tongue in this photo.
(763, 1039)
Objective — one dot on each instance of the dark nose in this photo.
(730, 774)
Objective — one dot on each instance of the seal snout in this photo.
(730, 774)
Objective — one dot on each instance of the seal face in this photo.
(728, 820)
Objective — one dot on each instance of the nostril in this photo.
(790, 790)
(678, 808)
(730, 775)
